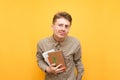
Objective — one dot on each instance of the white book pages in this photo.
(45, 55)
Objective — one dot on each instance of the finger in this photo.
(53, 65)
(59, 71)
(63, 68)
(58, 66)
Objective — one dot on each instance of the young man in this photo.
(70, 47)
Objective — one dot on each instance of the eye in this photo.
(66, 26)
(60, 25)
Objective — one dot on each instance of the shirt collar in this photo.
(56, 42)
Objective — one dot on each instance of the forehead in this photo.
(62, 21)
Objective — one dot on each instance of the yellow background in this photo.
(96, 23)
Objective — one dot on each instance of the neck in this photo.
(58, 39)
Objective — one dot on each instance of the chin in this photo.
(61, 37)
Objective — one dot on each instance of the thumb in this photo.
(53, 65)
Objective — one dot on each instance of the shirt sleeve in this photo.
(78, 62)
(40, 60)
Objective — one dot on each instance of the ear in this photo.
(52, 26)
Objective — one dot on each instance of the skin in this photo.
(60, 29)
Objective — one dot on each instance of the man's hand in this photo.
(55, 69)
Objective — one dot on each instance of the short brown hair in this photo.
(62, 15)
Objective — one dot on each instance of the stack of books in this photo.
(56, 57)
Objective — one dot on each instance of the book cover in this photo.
(57, 58)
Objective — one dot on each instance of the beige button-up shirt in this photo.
(72, 53)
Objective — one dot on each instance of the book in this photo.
(56, 57)
(45, 56)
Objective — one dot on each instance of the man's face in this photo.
(61, 28)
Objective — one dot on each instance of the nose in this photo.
(63, 28)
